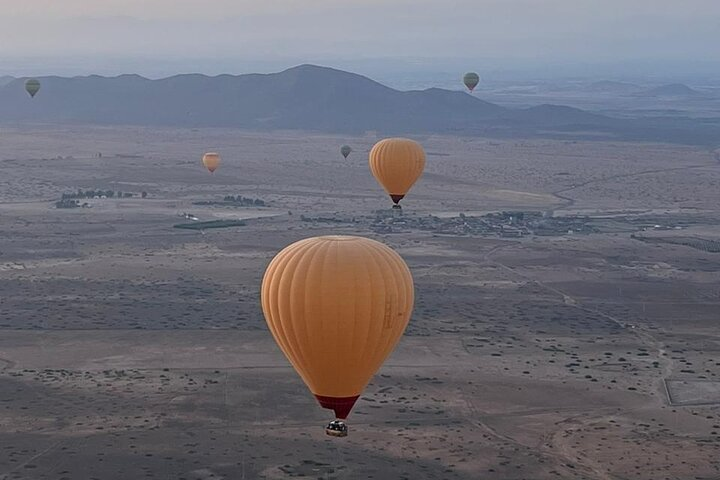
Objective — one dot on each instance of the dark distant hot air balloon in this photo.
(32, 86)
(211, 161)
(397, 163)
(345, 150)
(337, 306)
(471, 80)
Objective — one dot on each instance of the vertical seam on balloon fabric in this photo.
(395, 287)
(274, 279)
(318, 250)
(380, 258)
(312, 341)
(289, 328)
(373, 333)
(371, 302)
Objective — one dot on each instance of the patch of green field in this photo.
(210, 224)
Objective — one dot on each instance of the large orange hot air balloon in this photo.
(337, 305)
(397, 163)
(211, 161)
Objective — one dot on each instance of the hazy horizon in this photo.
(502, 39)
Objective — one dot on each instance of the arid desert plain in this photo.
(574, 336)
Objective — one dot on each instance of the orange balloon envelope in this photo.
(211, 161)
(337, 306)
(397, 163)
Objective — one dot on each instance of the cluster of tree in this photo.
(303, 218)
(211, 224)
(99, 194)
(237, 200)
(240, 200)
(68, 203)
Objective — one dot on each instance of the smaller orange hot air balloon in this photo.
(211, 161)
(397, 163)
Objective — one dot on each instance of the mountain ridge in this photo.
(671, 90)
(305, 97)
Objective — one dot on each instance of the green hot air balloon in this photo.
(471, 80)
(345, 150)
(32, 86)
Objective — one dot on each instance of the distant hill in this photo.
(608, 86)
(557, 115)
(310, 98)
(672, 90)
(305, 97)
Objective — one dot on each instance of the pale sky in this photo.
(87, 33)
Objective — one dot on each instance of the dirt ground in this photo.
(132, 349)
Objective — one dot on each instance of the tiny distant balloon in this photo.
(32, 86)
(471, 80)
(345, 150)
(211, 161)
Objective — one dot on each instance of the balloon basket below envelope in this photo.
(336, 428)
